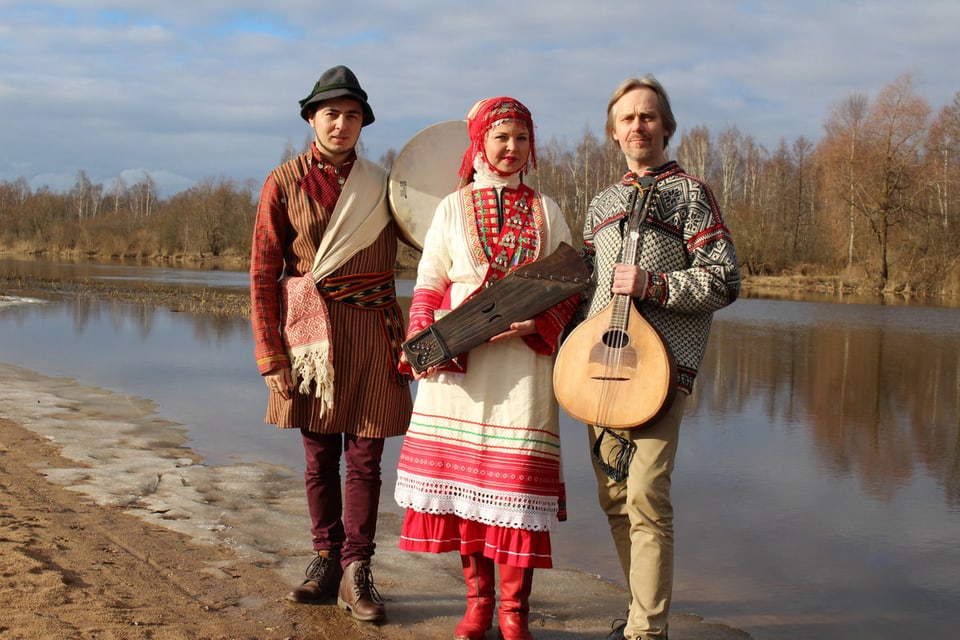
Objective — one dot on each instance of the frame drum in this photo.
(424, 172)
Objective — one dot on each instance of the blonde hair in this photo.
(645, 82)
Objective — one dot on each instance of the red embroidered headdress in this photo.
(485, 115)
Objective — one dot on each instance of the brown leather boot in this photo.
(481, 580)
(323, 577)
(514, 615)
(358, 595)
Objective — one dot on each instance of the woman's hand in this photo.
(516, 330)
(416, 376)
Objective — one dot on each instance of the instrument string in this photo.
(615, 341)
(612, 361)
(616, 465)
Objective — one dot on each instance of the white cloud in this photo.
(197, 90)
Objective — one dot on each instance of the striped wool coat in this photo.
(370, 399)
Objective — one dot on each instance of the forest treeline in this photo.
(874, 204)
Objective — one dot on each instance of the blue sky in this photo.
(209, 89)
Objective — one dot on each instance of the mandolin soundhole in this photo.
(615, 339)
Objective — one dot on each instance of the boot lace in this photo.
(318, 568)
(365, 587)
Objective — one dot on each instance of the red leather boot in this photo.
(514, 615)
(481, 597)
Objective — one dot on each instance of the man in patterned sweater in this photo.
(685, 269)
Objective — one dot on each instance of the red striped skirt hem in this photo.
(440, 533)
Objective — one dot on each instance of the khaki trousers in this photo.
(640, 515)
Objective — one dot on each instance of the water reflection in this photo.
(877, 387)
(817, 476)
(84, 270)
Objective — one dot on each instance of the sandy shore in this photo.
(111, 527)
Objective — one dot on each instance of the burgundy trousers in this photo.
(347, 519)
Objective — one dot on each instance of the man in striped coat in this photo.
(327, 327)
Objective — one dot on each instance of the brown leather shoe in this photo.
(323, 576)
(358, 595)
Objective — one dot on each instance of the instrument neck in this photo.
(643, 186)
(620, 311)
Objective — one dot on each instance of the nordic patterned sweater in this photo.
(685, 246)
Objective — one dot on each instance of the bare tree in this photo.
(944, 153)
(801, 149)
(81, 195)
(894, 138)
(754, 159)
(694, 151)
(781, 177)
(13, 195)
(843, 126)
(144, 196)
(728, 147)
(118, 192)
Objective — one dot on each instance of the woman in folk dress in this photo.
(480, 472)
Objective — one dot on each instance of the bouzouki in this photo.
(614, 370)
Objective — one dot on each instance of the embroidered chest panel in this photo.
(505, 229)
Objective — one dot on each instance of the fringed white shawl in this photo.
(356, 221)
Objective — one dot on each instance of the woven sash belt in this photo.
(376, 292)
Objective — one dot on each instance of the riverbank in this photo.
(73, 568)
